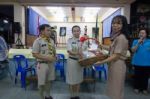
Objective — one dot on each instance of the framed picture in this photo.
(95, 32)
(62, 31)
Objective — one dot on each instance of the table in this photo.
(26, 52)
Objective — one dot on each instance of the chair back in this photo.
(60, 61)
(60, 56)
(21, 61)
(99, 68)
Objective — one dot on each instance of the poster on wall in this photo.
(95, 32)
(62, 31)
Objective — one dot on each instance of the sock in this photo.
(47, 89)
(41, 91)
(71, 91)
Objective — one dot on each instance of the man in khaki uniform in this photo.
(44, 52)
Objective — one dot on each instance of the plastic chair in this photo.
(59, 65)
(99, 69)
(23, 68)
(88, 78)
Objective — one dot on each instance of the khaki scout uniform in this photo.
(74, 72)
(117, 68)
(45, 70)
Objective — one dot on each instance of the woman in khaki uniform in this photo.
(118, 51)
(74, 72)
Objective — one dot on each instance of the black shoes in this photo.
(50, 97)
(76, 97)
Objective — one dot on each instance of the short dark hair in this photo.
(42, 27)
(52, 28)
(145, 29)
(75, 27)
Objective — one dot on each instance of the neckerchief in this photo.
(50, 47)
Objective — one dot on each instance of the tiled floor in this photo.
(60, 91)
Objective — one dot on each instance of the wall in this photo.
(69, 19)
(33, 21)
(125, 9)
(30, 39)
(126, 12)
(19, 16)
(108, 13)
(69, 27)
(100, 32)
(39, 12)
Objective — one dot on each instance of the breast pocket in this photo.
(74, 47)
(44, 49)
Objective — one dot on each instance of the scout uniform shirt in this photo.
(74, 72)
(45, 70)
(120, 45)
(74, 45)
(44, 47)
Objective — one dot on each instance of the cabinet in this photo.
(140, 17)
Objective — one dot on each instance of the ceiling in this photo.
(79, 11)
(71, 2)
(67, 5)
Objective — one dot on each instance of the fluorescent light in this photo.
(56, 11)
(91, 12)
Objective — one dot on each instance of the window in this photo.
(107, 23)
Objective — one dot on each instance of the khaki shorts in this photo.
(45, 72)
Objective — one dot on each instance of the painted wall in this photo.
(19, 16)
(68, 26)
(69, 19)
(125, 10)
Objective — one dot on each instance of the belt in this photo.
(73, 58)
(42, 62)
